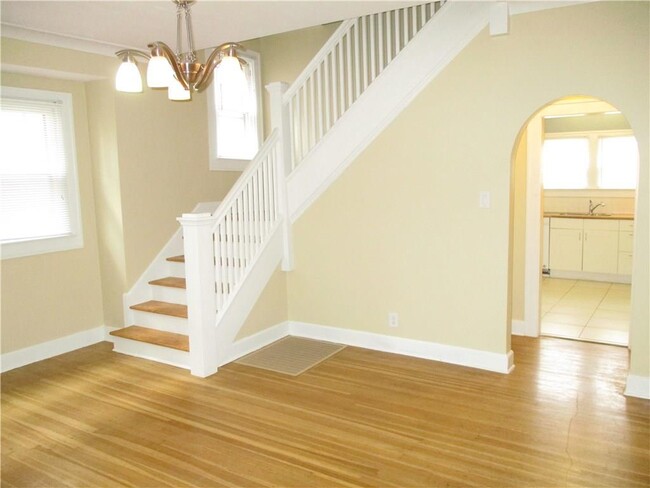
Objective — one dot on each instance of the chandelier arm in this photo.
(132, 52)
(169, 55)
(215, 58)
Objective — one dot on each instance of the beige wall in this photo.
(401, 231)
(53, 295)
(270, 309)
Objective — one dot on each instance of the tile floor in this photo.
(586, 310)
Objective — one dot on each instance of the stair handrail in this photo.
(354, 56)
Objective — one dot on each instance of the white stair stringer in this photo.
(421, 60)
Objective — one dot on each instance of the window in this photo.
(565, 163)
(234, 120)
(39, 209)
(593, 160)
(617, 162)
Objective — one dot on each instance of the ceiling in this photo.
(105, 26)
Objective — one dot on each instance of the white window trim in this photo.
(222, 164)
(74, 240)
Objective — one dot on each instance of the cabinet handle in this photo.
(586, 234)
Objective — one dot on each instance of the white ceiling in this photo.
(105, 26)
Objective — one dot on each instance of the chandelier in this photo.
(181, 73)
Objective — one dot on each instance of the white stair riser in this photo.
(144, 350)
(175, 269)
(158, 321)
(169, 294)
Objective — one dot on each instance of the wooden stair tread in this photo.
(153, 336)
(170, 281)
(177, 259)
(164, 308)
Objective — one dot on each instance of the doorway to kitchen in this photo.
(574, 186)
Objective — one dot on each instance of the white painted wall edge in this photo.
(46, 350)
(500, 363)
(638, 386)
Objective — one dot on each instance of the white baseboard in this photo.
(638, 386)
(585, 275)
(474, 358)
(500, 363)
(257, 341)
(45, 350)
(518, 327)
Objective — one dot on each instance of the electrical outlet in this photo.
(393, 319)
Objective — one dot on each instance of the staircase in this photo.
(189, 305)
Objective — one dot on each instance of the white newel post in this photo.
(200, 283)
(280, 121)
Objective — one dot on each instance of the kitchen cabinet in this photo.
(625, 244)
(602, 246)
(565, 247)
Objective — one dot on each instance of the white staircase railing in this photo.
(345, 66)
(220, 249)
(243, 221)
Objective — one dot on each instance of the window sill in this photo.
(229, 164)
(40, 246)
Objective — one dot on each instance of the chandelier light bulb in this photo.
(159, 73)
(128, 77)
(230, 72)
(176, 91)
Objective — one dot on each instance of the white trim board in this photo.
(46, 350)
(638, 386)
(473, 358)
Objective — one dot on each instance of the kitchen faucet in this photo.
(593, 207)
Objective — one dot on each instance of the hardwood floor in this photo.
(362, 418)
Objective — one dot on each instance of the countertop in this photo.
(571, 215)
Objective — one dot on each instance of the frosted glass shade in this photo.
(230, 72)
(159, 72)
(128, 78)
(177, 92)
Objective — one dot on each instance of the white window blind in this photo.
(38, 194)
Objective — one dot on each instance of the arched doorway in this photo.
(588, 191)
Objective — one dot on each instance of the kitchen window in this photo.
(605, 160)
(39, 201)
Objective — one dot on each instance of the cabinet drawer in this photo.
(558, 223)
(625, 263)
(627, 225)
(625, 241)
(597, 224)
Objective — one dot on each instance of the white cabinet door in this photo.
(566, 249)
(625, 263)
(600, 251)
